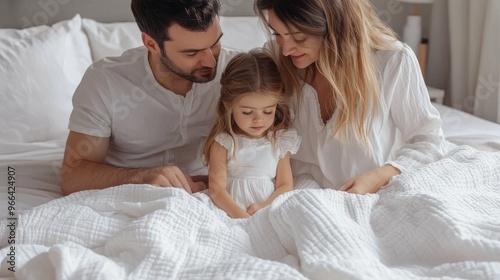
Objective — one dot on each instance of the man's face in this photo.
(192, 55)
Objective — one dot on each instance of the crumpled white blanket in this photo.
(439, 222)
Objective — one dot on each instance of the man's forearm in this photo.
(87, 175)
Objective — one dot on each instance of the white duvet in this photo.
(442, 221)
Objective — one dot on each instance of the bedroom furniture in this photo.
(440, 222)
(412, 34)
(436, 94)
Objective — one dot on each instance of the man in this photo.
(142, 117)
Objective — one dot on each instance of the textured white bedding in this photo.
(438, 222)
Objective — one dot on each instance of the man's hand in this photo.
(371, 181)
(197, 183)
(172, 176)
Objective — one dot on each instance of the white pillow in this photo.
(9, 33)
(78, 54)
(111, 39)
(242, 33)
(38, 76)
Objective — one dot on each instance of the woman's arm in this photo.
(284, 183)
(371, 181)
(418, 122)
(217, 178)
(413, 114)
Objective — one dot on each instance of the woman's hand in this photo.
(371, 181)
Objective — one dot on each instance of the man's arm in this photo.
(83, 168)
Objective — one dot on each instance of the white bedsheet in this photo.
(438, 222)
(37, 168)
(462, 128)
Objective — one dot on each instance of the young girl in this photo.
(248, 150)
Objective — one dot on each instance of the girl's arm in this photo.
(217, 177)
(284, 183)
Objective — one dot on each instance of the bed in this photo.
(439, 222)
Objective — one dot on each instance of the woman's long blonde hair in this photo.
(254, 72)
(350, 32)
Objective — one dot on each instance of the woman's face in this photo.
(302, 48)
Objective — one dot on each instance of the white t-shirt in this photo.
(148, 125)
(406, 131)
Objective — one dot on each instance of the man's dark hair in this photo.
(154, 17)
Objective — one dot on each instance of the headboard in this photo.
(25, 13)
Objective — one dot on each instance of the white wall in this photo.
(394, 13)
(25, 13)
(22, 13)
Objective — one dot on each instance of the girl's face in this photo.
(302, 48)
(254, 114)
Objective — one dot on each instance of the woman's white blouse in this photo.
(406, 130)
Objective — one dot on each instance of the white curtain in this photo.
(464, 55)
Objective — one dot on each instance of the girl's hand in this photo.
(371, 181)
(254, 208)
(242, 216)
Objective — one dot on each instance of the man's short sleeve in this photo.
(91, 103)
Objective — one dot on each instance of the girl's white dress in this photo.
(251, 172)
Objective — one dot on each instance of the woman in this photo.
(361, 104)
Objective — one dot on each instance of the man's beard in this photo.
(192, 77)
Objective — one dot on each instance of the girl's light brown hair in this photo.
(350, 33)
(254, 72)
